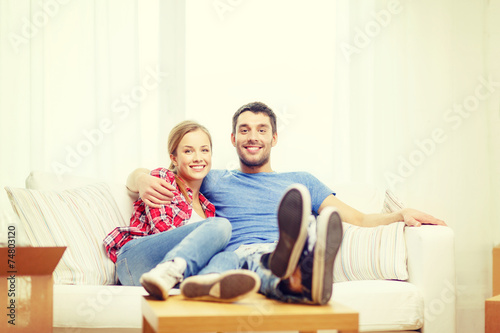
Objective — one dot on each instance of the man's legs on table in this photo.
(312, 279)
(298, 270)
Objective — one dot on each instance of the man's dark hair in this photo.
(255, 107)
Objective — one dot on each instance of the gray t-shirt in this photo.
(250, 201)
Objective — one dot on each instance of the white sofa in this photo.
(425, 302)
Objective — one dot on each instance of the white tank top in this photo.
(195, 217)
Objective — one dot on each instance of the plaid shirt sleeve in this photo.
(148, 221)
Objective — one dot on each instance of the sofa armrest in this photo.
(431, 267)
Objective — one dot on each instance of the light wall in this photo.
(492, 54)
(268, 51)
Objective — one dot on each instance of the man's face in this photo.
(253, 141)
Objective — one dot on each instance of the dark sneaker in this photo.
(317, 265)
(229, 286)
(293, 218)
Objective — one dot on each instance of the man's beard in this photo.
(257, 163)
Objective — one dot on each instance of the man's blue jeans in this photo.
(198, 243)
(250, 258)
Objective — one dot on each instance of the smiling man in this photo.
(270, 213)
(253, 136)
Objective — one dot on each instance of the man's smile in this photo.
(253, 149)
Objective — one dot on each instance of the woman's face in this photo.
(194, 156)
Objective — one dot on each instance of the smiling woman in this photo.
(163, 244)
(190, 148)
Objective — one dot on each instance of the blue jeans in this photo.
(198, 243)
(250, 258)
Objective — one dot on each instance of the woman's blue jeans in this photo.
(198, 243)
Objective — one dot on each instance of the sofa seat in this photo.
(97, 307)
(383, 306)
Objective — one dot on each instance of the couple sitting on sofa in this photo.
(163, 245)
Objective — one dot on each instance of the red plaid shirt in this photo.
(148, 221)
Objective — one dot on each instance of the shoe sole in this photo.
(293, 216)
(329, 231)
(153, 287)
(229, 286)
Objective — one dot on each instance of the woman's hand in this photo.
(415, 218)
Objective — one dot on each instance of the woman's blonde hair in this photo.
(178, 132)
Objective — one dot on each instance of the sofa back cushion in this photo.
(124, 198)
(78, 218)
(377, 253)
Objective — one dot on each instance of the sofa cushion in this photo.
(124, 198)
(86, 306)
(382, 305)
(391, 203)
(372, 253)
(77, 218)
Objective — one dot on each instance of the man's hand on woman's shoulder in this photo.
(154, 191)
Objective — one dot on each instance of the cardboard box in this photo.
(26, 288)
(492, 315)
(496, 270)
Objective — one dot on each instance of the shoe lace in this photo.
(311, 234)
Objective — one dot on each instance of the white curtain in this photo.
(401, 94)
(87, 87)
(417, 110)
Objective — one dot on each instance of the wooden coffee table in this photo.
(255, 313)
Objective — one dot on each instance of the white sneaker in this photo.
(163, 277)
(229, 286)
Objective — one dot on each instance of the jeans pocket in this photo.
(123, 272)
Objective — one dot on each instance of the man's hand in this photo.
(154, 191)
(415, 218)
